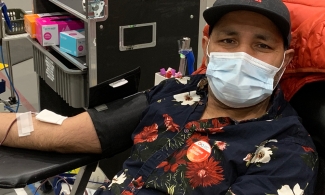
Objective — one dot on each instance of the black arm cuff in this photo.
(115, 125)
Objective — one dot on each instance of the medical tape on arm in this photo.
(24, 123)
(50, 117)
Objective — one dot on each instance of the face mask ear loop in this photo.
(282, 71)
(207, 49)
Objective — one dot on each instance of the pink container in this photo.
(48, 29)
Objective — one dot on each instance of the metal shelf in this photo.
(74, 7)
(14, 37)
(80, 62)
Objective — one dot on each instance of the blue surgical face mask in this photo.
(239, 80)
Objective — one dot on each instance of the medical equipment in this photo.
(186, 66)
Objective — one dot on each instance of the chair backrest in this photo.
(309, 102)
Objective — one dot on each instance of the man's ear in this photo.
(205, 41)
(288, 57)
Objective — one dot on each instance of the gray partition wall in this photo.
(22, 4)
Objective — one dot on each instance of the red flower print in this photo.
(206, 173)
(127, 193)
(308, 149)
(218, 124)
(204, 120)
(148, 134)
(173, 163)
(195, 125)
(136, 184)
(171, 126)
(221, 145)
(196, 137)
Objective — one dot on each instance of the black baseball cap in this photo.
(275, 10)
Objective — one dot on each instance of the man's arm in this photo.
(76, 134)
(106, 131)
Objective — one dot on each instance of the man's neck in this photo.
(215, 109)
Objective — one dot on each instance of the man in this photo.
(227, 132)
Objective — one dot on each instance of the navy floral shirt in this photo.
(175, 152)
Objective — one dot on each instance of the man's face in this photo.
(249, 32)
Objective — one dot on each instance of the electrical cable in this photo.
(10, 109)
(11, 84)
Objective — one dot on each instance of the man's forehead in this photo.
(237, 32)
(232, 30)
(233, 22)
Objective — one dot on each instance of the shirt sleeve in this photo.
(279, 168)
(115, 121)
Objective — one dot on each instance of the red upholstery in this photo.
(308, 36)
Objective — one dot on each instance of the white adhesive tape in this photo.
(24, 124)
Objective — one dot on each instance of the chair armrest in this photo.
(20, 167)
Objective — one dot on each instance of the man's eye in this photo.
(227, 41)
(263, 46)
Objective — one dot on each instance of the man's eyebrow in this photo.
(232, 32)
(228, 32)
(264, 37)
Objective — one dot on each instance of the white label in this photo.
(204, 145)
(49, 68)
(101, 107)
(81, 47)
(118, 83)
(50, 35)
(52, 14)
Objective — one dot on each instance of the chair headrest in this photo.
(309, 102)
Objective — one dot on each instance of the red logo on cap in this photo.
(260, 1)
